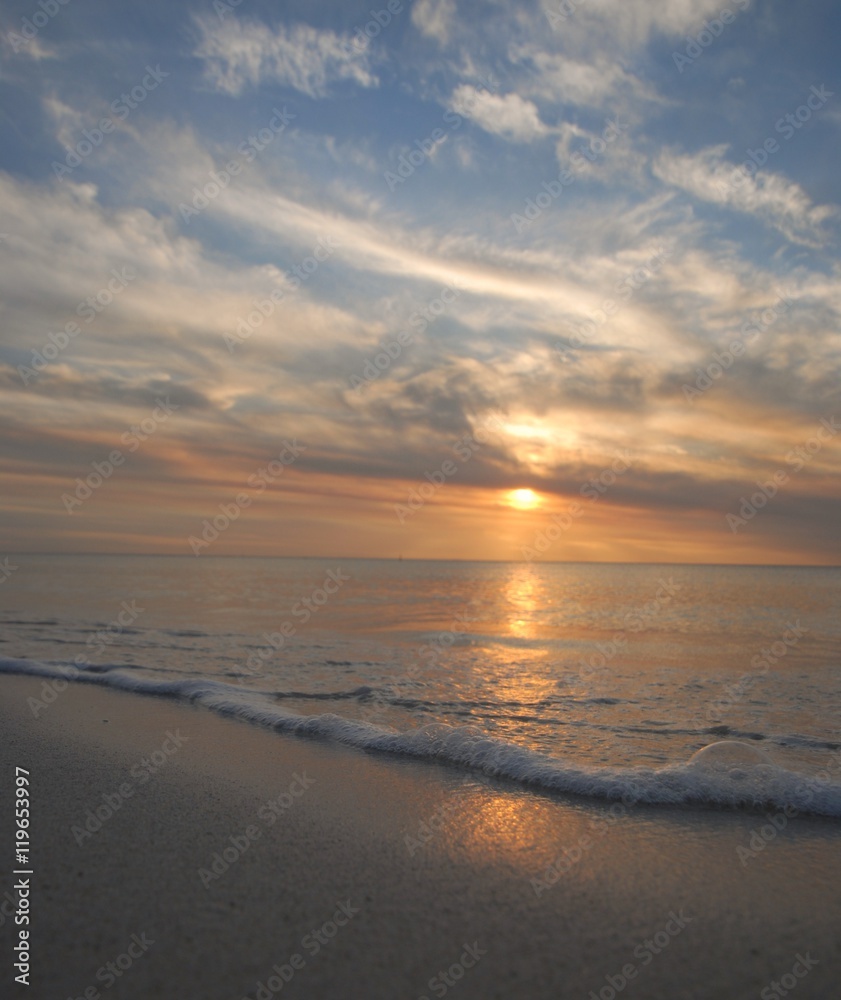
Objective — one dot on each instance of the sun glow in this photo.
(523, 499)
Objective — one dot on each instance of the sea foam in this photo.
(725, 774)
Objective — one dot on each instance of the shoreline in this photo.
(237, 850)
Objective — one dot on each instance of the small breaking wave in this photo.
(724, 774)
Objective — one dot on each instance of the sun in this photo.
(523, 499)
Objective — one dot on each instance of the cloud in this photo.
(68, 121)
(639, 20)
(34, 48)
(558, 78)
(499, 345)
(103, 387)
(779, 202)
(434, 18)
(238, 53)
(511, 117)
(630, 24)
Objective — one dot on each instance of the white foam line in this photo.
(701, 782)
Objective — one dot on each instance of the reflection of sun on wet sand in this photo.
(555, 898)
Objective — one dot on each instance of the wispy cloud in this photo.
(555, 77)
(434, 18)
(509, 116)
(781, 203)
(238, 53)
(629, 25)
(561, 326)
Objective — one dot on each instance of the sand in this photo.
(235, 862)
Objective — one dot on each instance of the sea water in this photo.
(662, 683)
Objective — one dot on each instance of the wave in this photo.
(725, 774)
(28, 621)
(361, 693)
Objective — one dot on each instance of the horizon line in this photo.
(526, 562)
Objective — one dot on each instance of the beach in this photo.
(420, 561)
(202, 856)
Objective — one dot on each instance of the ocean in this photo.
(712, 685)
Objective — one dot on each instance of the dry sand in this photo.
(329, 890)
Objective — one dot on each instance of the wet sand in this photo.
(179, 854)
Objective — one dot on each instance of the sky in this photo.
(462, 279)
